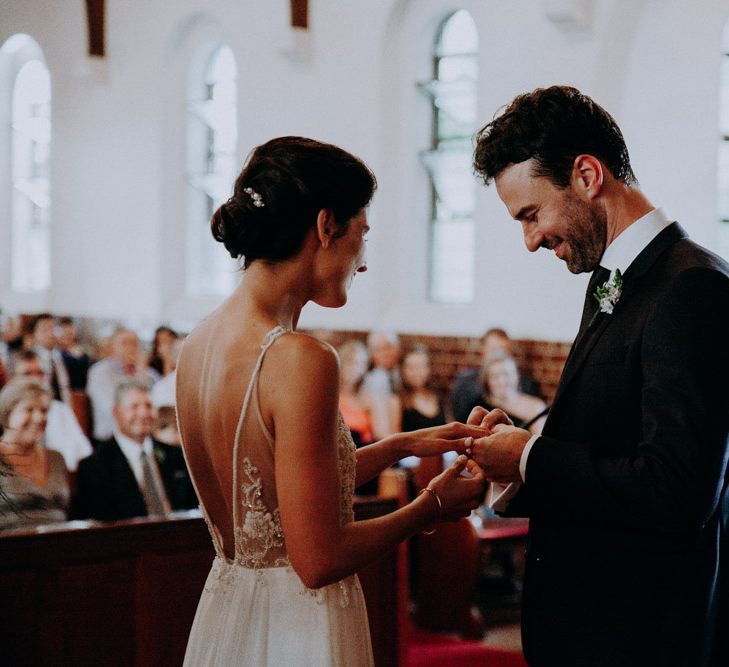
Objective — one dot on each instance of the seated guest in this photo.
(384, 350)
(501, 383)
(105, 375)
(354, 404)
(131, 475)
(34, 487)
(165, 427)
(383, 380)
(43, 330)
(161, 358)
(74, 357)
(419, 404)
(163, 391)
(362, 412)
(63, 433)
(468, 386)
(5, 328)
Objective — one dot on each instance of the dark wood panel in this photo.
(125, 593)
(93, 607)
(112, 594)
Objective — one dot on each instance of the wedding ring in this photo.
(469, 446)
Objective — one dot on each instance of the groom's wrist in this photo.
(525, 456)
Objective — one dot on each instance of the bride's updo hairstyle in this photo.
(278, 195)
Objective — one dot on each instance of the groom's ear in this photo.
(587, 176)
(325, 227)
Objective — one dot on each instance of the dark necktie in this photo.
(599, 277)
(153, 495)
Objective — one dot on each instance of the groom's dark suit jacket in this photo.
(627, 488)
(107, 489)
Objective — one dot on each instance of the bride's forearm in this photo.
(373, 459)
(361, 542)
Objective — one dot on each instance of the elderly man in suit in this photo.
(627, 486)
(131, 475)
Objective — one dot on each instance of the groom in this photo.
(627, 487)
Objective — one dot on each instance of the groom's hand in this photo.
(484, 418)
(499, 454)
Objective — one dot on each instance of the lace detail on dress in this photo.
(261, 530)
(347, 470)
(221, 576)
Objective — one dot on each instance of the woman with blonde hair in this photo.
(35, 487)
(500, 378)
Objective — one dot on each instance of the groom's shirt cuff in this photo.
(525, 456)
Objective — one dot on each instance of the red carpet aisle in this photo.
(427, 649)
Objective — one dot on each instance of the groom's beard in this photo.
(586, 235)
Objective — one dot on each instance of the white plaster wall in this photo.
(119, 127)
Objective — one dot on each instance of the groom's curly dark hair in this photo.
(552, 126)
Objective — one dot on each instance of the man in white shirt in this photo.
(125, 362)
(627, 488)
(130, 475)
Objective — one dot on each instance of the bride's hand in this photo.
(458, 495)
(437, 440)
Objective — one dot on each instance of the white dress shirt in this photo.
(132, 451)
(620, 254)
(63, 434)
(53, 364)
(163, 391)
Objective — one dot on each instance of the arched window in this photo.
(452, 92)
(723, 170)
(29, 142)
(212, 167)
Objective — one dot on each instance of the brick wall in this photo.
(541, 359)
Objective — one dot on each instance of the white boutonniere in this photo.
(160, 455)
(608, 295)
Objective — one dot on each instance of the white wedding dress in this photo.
(254, 609)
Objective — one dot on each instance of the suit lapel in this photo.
(130, 497)
(587, 338)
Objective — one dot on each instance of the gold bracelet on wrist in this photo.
(440, 509)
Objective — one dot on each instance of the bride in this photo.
(271, 458)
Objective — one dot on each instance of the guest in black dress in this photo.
(420, 406)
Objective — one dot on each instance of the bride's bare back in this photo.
(214, 371)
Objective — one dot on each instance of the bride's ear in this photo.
(325, 227)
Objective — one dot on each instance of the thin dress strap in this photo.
(271, 337)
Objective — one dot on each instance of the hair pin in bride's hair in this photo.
(257, 199)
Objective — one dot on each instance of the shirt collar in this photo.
(131, 448)
(627, 245)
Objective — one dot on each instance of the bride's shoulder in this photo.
(300, 352)
(295, 343)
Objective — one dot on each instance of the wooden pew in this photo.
(446, 568)
(125, 593)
